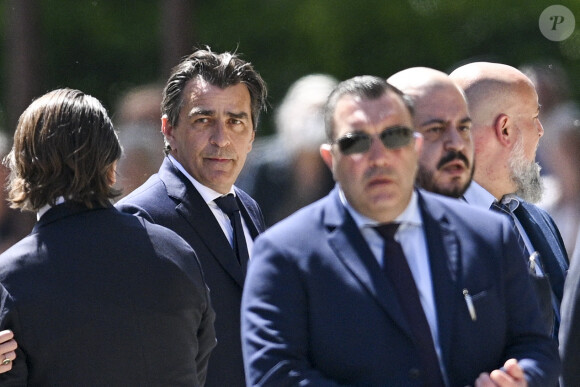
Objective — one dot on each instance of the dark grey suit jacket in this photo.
(168, 198)
(96, 297)
(317, 309)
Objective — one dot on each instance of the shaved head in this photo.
(441, 116)
(490, 88)
(504, 107)
(417, 81)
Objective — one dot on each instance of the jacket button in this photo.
(414, 373)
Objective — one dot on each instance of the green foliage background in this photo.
(106, 47)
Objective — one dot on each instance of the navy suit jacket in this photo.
(547, 241)
(100, 298)
(168, 198)
(317, 309)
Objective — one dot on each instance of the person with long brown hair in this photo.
(94, 297)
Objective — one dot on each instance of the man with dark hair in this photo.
(379, 284)
(211, 104)
(506, 131)
(94, 297)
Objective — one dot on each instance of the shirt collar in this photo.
(478, 196)
(409, 217)
(208, 194)
(42, 210)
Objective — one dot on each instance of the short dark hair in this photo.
(64, 145)
(364, 86)
(221, 70)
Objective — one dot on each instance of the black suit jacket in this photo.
(317, 309)
(96, 297)
(168, 198)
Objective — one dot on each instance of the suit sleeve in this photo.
(527, 340)
(18, 375)
(206, 340)
(176, 251)
(274, 322)
(129, 208)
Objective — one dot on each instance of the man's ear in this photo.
(326, 154)
(166, 127)
(167, 130)
(418, 142)
(504, 130)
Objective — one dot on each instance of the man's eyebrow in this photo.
(240, 115)
(443, 122)
(433, 121)
(200, 112)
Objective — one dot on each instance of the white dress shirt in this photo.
(209, 195)
(411, 237)
(478, 196)
(42, 210)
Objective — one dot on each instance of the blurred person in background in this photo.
(564, 159)
(570, 327)
(136, 118)
(285, 172)
(558, 150)
(553, 87)
(567, 210)
(94, 297)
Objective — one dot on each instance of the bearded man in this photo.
(506, 130)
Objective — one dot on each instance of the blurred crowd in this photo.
(559, 150)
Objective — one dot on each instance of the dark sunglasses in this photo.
(359, 142)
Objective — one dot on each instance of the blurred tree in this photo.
(105, 47)
(24, 64)
(176, 33)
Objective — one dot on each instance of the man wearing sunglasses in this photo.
(381, 284)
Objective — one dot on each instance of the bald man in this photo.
(504, 108)
(441, 116)
(446, 161)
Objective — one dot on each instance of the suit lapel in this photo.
(444, 260)
(251, 214)
(195, 211)
(546, 243)
(353, 252)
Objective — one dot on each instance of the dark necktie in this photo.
(229, 206)
(397, 270)
(503, 209)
